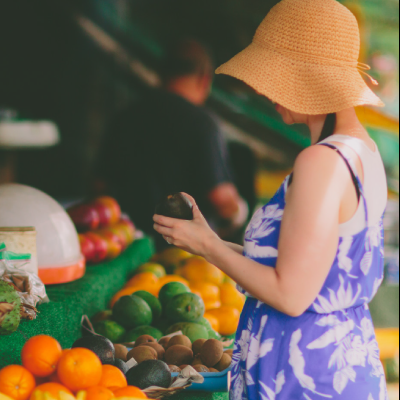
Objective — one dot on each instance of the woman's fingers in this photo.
(196, 211)
(164, 221)
(162, 230)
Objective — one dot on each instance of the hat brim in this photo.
(301, 86)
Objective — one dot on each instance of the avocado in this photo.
(132, 312)
(135, 334)
(100, 345)
(153, 302)
(162, 325)
(191, 330)
(102, 316)
(121, 365)
(110, 329)
(186, 307)
(176, 206)
(170, 290)
(150, 373)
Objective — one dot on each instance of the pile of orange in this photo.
(223, 301)
(49, 373)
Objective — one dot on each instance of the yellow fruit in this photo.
(228, 318)
(197, 269)
(214, 322)
(4, 397)
(157, 269)
(209, 293)
(171, 257)
(230, 296)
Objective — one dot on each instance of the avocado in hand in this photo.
(176, 206)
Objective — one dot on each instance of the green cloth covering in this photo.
(185, 395)
(61, 318)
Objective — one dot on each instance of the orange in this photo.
(230, 296)
(214, 321)
(146, 281)
(112, 377)
(51, 391)
(4, 397)
(228, 318)
(209, 293)
(157, 269)
(130, 391)
(79, 369)
(54, 378)
(197, 269)
(40, 355)
(95, 393)
(16, 382)
(124, 292)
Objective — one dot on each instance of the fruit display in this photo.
(104, 233)
(50, 373)
(10, 309)
(196, 298)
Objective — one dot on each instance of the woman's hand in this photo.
(194, 236)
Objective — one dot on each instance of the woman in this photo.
(313, 256)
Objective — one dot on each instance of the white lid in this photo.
(57, 239)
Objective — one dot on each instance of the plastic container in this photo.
(213, 382)
(21, 241)
(58, 249)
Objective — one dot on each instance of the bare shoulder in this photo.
(317, 160)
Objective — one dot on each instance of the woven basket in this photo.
(164, 393)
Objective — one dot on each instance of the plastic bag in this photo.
(29, 287)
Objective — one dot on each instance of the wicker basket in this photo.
(164, 393)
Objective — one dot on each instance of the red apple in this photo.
(105, 214)
(87, 247)
(113, 243)
(85, 217)
(101, 247)
(114, 207)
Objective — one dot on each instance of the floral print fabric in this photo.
(331, 351)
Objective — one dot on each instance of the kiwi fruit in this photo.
(182, 367)
(121, 352)
(214, 371)
(212, 352)
(201, 368)
(197, 361)
(224, 363)
(178, 355)
(197, 345)
(143, 353)
(144, 339)
(176, 206)
(158, 348)
(164, 342)
(180, 340)
(229, 352)
(174, 369)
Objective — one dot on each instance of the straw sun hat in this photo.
(304, 56)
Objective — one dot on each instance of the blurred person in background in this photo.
(168, 142)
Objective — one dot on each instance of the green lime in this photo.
(191, 330)
(170, 290)
(110, 329)
(186, 307)
(134, 334)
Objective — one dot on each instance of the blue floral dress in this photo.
(330, 352)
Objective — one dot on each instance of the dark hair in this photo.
(329, 127)
(186, 57)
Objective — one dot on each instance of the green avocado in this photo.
(153, 302)
(186, 307)
(132, 312)
(176, 206)
(191, 330)
(170, 290)
(150, 373)
(212, 334)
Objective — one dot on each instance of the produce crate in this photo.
(215, 383)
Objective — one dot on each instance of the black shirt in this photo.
(161, 145)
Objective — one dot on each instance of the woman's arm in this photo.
(235, 247)
(308, 241)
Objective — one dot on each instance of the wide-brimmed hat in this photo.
(304, 56)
